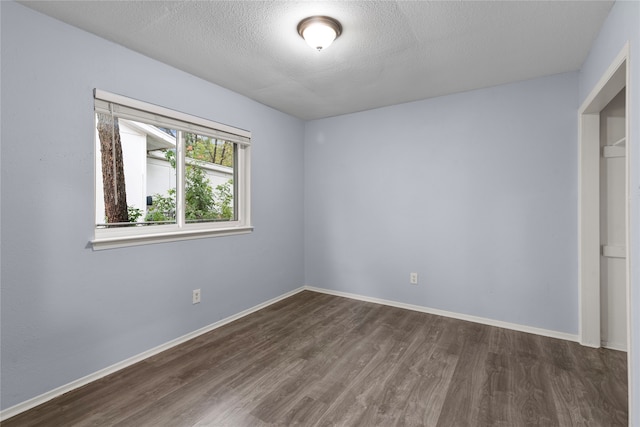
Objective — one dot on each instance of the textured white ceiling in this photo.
(389, 52)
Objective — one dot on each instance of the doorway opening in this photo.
(613, 230)
(604, 259)
(604, 264)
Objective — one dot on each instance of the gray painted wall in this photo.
(622, 26)
(477, 192)
(68, 311)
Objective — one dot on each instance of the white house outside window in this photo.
(163, 175)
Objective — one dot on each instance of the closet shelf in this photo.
(614, 251)
(609, 151)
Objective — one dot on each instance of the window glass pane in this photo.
(209, 177)
(136, 174)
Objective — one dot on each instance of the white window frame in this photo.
(132, 109)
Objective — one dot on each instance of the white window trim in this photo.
(109, 238)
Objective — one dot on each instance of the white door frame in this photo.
(612, 82)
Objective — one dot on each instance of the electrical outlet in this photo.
(196, 296)
(413, 278)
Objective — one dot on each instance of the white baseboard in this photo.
(618, 346)
(469, 318)
(45, 397)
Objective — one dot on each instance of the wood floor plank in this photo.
(320, 360)
(431, 376)
(462, 402)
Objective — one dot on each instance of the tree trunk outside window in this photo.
(115, 194)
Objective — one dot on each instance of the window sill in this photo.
(101, 243)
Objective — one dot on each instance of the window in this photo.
(163, 175)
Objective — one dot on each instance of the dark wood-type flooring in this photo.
(320, 360)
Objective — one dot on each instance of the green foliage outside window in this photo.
(201, 202)
(163, 208)
(134, 213)
(209, 150)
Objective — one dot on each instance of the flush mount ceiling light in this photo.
(319, 31)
